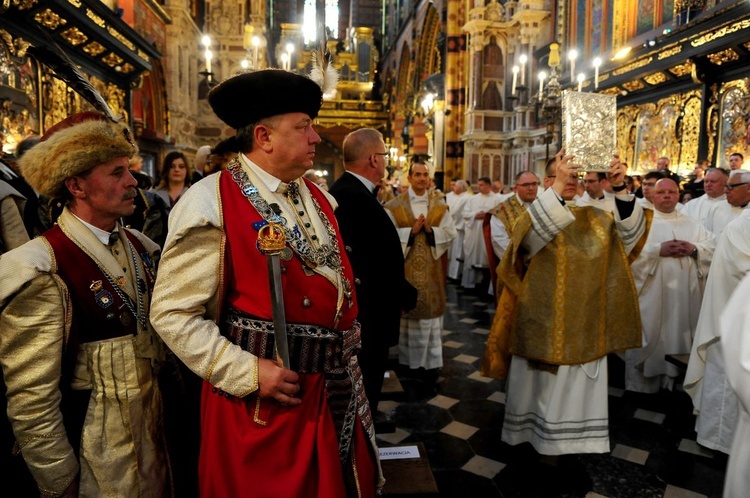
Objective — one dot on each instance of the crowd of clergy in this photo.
(686, 271)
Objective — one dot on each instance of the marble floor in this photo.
(458, 419)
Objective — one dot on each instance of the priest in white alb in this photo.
(456, 200)
(705, 381)
(735, 343)
(669, 274)
(475, 251)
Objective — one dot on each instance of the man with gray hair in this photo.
(714, 182)
(201, 158)
(738, 197)
(456, 200)
(507, 212)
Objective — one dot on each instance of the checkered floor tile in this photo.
(459, 419)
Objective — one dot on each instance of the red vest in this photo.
(95, 315)
(247, 274)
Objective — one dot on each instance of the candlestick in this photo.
(515, 77)
(597, 63)
(581, 77)
(523, 60)
(542, 76)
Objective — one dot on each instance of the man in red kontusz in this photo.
(269, 429)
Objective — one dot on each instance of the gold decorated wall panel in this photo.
(670, 127)
(733, 120)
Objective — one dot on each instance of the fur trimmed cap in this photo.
(249, 97)
(72, 147)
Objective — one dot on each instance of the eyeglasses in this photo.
(528, 185)
(731, 186)
(384, 154)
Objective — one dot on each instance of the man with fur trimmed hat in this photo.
(302, 429)
(77, 351)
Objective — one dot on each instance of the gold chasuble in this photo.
(572, 303)
(423, 271)
(508, 213)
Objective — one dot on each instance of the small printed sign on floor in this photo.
(399, 452)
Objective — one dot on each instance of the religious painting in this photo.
(645, 16)
(667, 128)
(597, 24)
(734, 131)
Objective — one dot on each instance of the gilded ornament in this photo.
(689, 131)
(590, 128)
(126, 68)
(74, 36)
(615, 90)
(682, 69)
(669, 52)
(634, 85)
(656, 78)
(744, 24)
(24, 4)
(143, 55)
(75, 3)
(634, 65)
(117, 35)
(94, 49)
(112, 59)
(723, 57)
(49, 19)
(97, 20)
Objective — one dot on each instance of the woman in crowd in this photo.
(174, 178)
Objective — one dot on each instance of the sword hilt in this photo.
(271, 238)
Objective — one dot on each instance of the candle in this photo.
(597, 63)
(572, 56)
(542, 76)
(208, 56)
(515, 77)
(255, 43)
(523, 60)
(581, 77)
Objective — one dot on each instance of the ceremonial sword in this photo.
(271, 242)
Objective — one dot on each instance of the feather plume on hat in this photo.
(65, 69)
(323, 73)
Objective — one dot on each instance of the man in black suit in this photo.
(375, 253)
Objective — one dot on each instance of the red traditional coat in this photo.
(257, 447)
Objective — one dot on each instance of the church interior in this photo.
(474, 87)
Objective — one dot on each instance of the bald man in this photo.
(669, 275)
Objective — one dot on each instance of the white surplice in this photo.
(705, 380)
(456, 204)
(670, 291)
(700, 208)
(735, 343)
(475, 252)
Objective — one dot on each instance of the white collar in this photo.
(370, 186)
(100, 234)
(413, 197)
(270, 181)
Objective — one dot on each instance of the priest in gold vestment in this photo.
(568, 301)
(426, 230)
